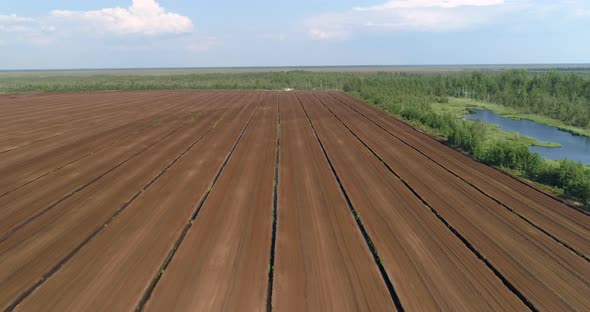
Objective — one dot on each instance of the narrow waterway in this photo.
(573, 147)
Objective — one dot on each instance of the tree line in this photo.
(410, 96)
(561, 95)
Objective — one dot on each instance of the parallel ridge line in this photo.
(90, 153)
(386, 279)
(7, 235)
(106, 102)
(63, 166)
(102, 110)
(148, 293)
(559, 241)
(87, 240)
(83, 186)
(560, 200)
(31, 143)
(472, 248)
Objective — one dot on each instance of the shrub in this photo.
(467, 136)
(574, 178)
(513, 156)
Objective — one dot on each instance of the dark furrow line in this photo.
(559, 241)
(61, 167)
(82, 187)
(275, 200)
(31, 143)
(103, 111)
(84, 156)
(66, 131)
(66, 123)
(148, 293)
(472, 248)
(97, 231)
(372, 248)
(578, 209)
(39, 140)
(101, 104)
(43, 128)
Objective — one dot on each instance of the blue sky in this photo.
(179, 33)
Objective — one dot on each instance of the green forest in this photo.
(561, 95)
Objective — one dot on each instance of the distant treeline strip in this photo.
(557, 94)
(300, 80)
(560, 95)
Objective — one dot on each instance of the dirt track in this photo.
(175, 201)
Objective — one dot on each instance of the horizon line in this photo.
(474, 65)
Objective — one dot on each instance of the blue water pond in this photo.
(573, 147)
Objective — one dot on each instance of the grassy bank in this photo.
(459, 107)
(504, 150)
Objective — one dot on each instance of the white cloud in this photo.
(406, 15)
(142, 17)
(16, 24)
(18, 29)
(139, 24)
(13, 18)
(412, 4)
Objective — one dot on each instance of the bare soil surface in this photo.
(322, 261)
(166, 201)
(418, 251)
(232, 230)
(547, 274)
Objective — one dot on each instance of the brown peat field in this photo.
(260, 201)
